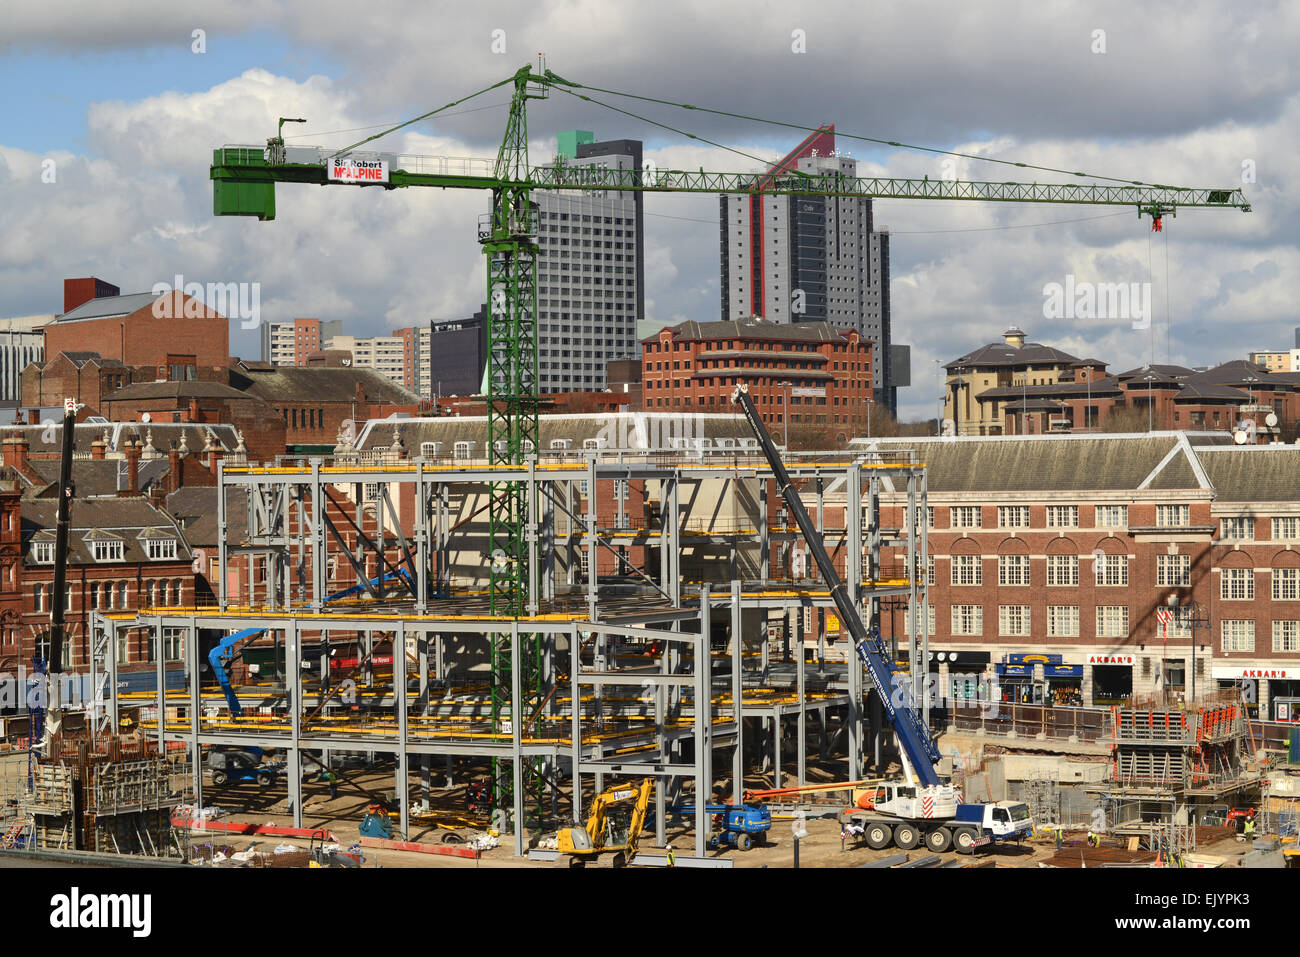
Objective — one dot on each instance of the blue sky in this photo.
(116, 93)
(44, 94)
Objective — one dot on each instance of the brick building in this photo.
(1026, 388)
(170, 334)
(86, 376)
(11, 580)
(821, 371)
(313, 402)
(1069, 546)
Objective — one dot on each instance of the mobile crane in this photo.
(921, 806)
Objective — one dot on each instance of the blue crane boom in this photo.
(914, 737)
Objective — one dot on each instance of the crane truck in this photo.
(921, 807)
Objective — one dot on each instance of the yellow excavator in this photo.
(614, 826)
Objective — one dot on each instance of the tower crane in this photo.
(244, 180)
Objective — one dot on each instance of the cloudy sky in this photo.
(125, 102)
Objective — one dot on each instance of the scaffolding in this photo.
(654, 647)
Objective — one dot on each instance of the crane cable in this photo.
(560, 82)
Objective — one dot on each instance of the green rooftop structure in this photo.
(570, 140)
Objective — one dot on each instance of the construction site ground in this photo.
(822, 847)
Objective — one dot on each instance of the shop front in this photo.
(1262, 687)
(1022, 682)
(1112, 678)
(963, 674)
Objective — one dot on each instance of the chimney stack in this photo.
(98, 449)
(132, 452)
(15, 451)
(173, 470)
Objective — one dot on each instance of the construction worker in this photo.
(1248, 832)
(672, 858)
(333, 780)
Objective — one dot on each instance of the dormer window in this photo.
(43, 553)
(161, 549)
(106, 550)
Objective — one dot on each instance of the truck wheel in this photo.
(264, 779)
(964, 840)
(743, 842)
(938, 840)
(878, 835)
(219, 778)
(906, 837)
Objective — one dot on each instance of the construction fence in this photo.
(1052, 722)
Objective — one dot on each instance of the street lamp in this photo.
(1197, 618)
(1149, 378)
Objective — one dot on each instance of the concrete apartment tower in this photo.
(812, 259)
(590, 270)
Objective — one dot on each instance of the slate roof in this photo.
(171, 389)
(94, 477)
(196, 511)
(1095, 388)
(118, 517)
(283, 384)
(1001, 354)
(1253, 473)
(43, 440)
(1003, 465)
(107, 306)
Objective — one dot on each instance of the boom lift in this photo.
(617, 816)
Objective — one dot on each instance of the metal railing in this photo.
(1054, 722)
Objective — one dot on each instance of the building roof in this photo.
(107, 306)
(628, 430)
(196, 511)
(80, 359)
(124, 518)
(281, 384)
(1048, 463)
(47, 439)
(1095, 388)
(1000, 354)
(1193, 390)
(174, 389)
(92, 477)
(1253, 473)
(1164, 373)
(749, 329)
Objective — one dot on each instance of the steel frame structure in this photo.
(589, 717)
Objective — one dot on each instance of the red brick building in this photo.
(11, 580)
(822, 373)
(1069, 546)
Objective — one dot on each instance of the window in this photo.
(1286, 635)
(1062, 621)
(1286, 584)
(121, 595)
(38, 597)
(1236, 528)
(1013, 569)
(1111, 569)
(967, 570)
(1238, 635)
(929, 567)
(1062, 516)
(1013, 620)
(1173, 516)
(161, 549)
(123, 646)
(106, 551)
(173, 644)
(43, 553)
(967, 619)
(1112, 516)
(1062, 570)
(1286, 528)
(463, 450)
(1112, 621)
(1237, 584)
(1013, 516)
(965, 516)
(1175, 570)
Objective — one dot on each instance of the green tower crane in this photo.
(244, 180)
